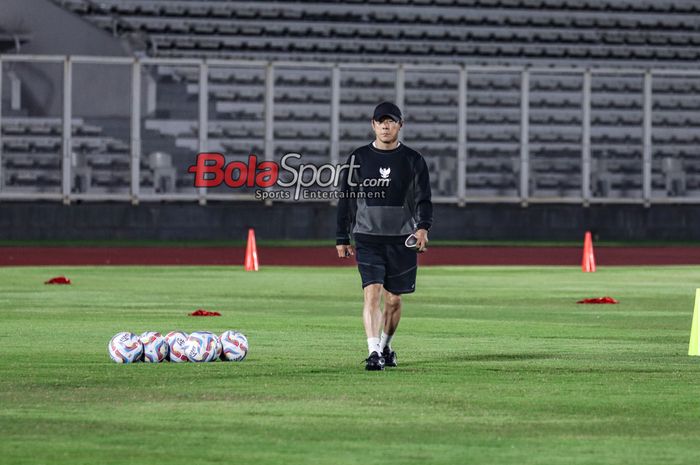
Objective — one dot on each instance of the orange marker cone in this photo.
(588, 262)
(251, 252)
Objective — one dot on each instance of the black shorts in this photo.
(392, 265)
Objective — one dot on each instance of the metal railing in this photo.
(460, 196)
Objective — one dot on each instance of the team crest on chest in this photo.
(384, 172)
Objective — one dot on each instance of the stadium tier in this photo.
(554, 40)
(472, 31)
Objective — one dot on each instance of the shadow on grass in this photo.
(519, 357)
(341, 369)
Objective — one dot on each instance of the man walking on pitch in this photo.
(387, 199)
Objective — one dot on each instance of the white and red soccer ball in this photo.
(125, 347)
(202, 346)
(155, 348)
(176, 343)
(234, 346)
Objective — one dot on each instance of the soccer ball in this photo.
(219, 348)
(176, 343)
(201, 346)
(235, 346)
(125, 347)
(155, 349)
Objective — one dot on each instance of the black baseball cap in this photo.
(387, 109)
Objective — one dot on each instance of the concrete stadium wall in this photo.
(56, 31)
(229, 221)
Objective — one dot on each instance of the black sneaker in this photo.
(389, 357)
(374, 362)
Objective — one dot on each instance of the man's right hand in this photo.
(345, 251)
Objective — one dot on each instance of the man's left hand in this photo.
(422, 240)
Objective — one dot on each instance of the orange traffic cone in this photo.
(588, 262)
(251, 252)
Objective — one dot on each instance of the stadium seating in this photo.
(32, 150)
(493, 120)
(632, 34)
(474, 32)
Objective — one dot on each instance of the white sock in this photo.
(373, 345)
(385, 341)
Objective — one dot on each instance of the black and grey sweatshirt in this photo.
(386, 198)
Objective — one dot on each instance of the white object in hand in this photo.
(411, 241)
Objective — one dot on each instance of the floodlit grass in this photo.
(497, 365)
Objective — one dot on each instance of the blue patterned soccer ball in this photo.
(155, 348)
(176, 344)
(125, 347)
(234, 346)
(201, 346)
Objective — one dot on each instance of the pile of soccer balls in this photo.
(176, 346)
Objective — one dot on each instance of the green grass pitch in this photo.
(497, 365)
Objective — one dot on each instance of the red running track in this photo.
(326, 256)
